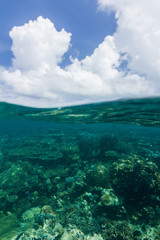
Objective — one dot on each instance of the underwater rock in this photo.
(46, 215)
(76, 185)
(47, 209)
(109, 198)
(94, 237)
(73, 234)
(109, 206)
(58, 229)
(98, 175)
(30, 214)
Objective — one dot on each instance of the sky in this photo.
(56, 53)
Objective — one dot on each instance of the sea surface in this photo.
(88, 172)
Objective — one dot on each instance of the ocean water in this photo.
(85, 172)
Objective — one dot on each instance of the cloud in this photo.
(38, 42)
(138, 35)
(36, 79)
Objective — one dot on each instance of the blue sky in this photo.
(80, 17)
(57, 53)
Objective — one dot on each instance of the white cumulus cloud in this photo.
(38, 42)
(138, 35)
(36, 79)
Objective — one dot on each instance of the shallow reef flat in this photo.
(68, 181)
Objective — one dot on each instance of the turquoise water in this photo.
(85, 172)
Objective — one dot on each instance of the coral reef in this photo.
(80, 182)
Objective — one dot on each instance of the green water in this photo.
(86, 172)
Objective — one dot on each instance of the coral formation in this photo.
(89, 182)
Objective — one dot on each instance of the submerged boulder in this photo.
(99, 175)
(109, 198)
(73, 234)
(30, 214)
